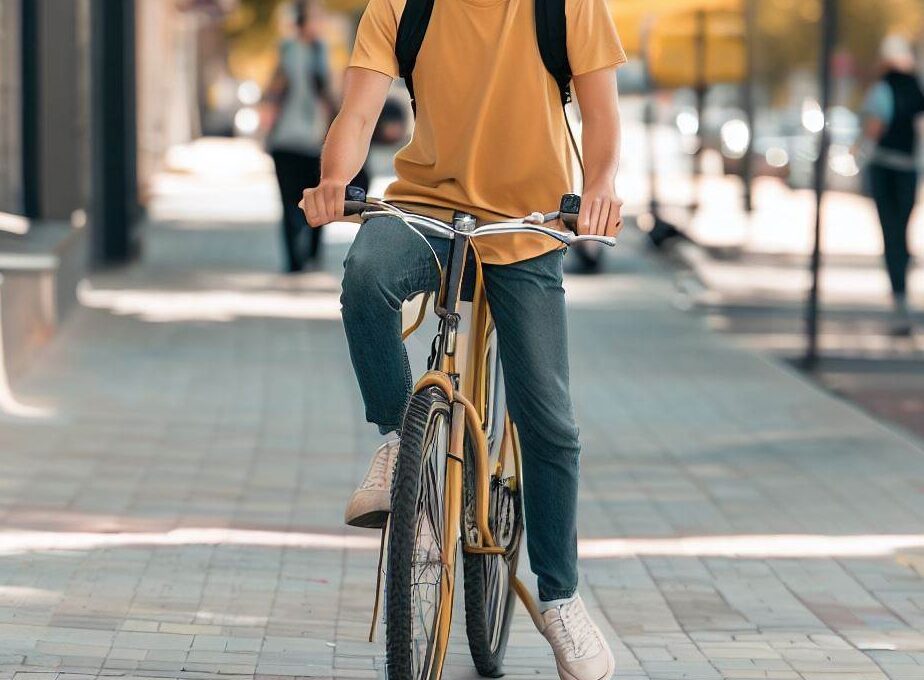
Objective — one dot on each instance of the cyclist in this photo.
(490, 139)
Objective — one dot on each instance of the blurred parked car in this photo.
(785, 141)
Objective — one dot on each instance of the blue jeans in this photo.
(388, 263)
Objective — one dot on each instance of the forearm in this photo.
(347, 144)
(346, 147)
(601, 207)
(601, 147)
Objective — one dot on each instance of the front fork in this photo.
(452, 525)
(465, 420)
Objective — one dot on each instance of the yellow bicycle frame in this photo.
(469, 408)
(467, 388)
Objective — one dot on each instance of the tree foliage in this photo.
(252, 32)
(788, 33)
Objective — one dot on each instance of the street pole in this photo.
(828, 40)
(649, 117)
(114, 186)
(652, 144)
(747, 166)
(30, 70)
(700, 89)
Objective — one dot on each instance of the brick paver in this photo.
(172, 508)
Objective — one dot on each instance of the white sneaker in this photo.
(581, 652)
(371, 502)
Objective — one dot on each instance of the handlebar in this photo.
(356, 203)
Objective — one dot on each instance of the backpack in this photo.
(551, 36)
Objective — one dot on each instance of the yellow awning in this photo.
(634, 17)
(674, 32)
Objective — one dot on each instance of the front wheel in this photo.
(421, 565)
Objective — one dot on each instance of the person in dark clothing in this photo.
(303, 106)
(891, 111)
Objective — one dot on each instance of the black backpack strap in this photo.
(319, 82)
(552, 36)
(411, 31)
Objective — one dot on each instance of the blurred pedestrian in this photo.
(301, 107)
(891, 110)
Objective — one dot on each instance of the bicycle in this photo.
(458, 475)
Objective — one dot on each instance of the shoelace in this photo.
(575, 630)
(379, 470)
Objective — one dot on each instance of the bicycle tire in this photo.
(488, 635)
(427, 411)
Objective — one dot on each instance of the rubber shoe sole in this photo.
(370, 520)
(610, 669)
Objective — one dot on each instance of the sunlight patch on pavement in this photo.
(13, 595)
(14, 542)
(228, 619)
(219, 157)
(209, 305)
(871, 345)
(230, 180)
(755, 546)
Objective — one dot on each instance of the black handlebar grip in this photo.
(569, 208)
(354, 201)
(355, 194)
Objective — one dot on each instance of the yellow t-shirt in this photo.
(490, 136)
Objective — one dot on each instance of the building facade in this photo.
(10, 108)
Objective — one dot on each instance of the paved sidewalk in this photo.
(172, 489)
(760, 301)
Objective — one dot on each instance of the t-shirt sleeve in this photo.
(374, 48)
(879, 103)
(593, 42)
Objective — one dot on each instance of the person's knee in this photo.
(374, 271)
(562, 436)
(550, 434)
(390, 257)
(365, 271)
(361, 272)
